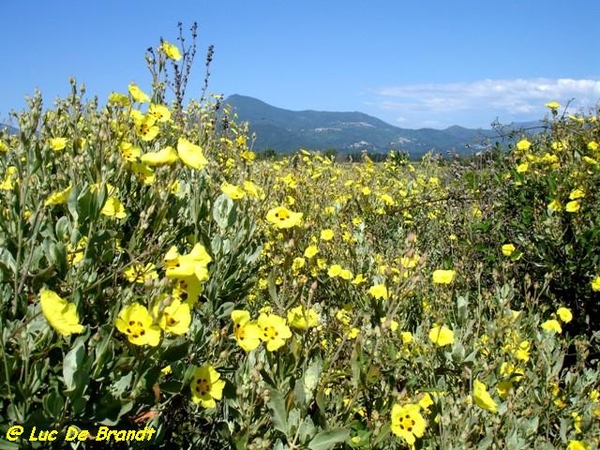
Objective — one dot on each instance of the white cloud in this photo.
(478, 103)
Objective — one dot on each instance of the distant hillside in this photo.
(9, 128)
(347, 132)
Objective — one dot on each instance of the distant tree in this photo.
(267, 154)
(330, 153)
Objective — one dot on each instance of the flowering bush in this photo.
(154, 274)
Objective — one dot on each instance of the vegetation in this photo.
(155, 274)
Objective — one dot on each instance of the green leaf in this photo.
(327, 439)
(6, 445)
(386, 429)
(462, 306)
(176, 352)
(72, 203)
(311, 378)
(486, 442)
(73, 360)
(278, 413)
(306, 430)
(171, 387)
(63, 229)
(224, 310)
(7, 260)
(222, 211)
(53, 404)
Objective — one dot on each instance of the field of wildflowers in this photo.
(154, 273)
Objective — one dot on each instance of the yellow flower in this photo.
(354, 332)
(144, 173)
(573, 206)
(145, 127)
(334, 270)
(174, 318)
(298, 264)
(7, 184)
(522, 168)
(578, 445)
(76, 253)
(443, 276)
(311, 251)
(523, 145)
(136, 322)
(118, 99)
(409, 262)
(552, 325)
(346, 274)
(194, 263)
(559, 146)
(129, 152)
(252, 189)
(596, 284)
(590, 161)
(327, 234)
(593, 146)
(207, 386)
(425, 401)
(171, 51)
(504, 388)
(554, 205)
(482, 397)
(408, 423)
(191, 154)
(576, 193)
(60, 314)
(576, 421)
(160, 112)
(387, 199)
(282, 217)
(406, 337)
(553, 105)
(379, 291)
(441, 335)
(344, 315)
(509, 370)
(114, 208)
(58, 143)
(302, 319)
(137, 94)
(58, 198)
(140, 274)
(564, 314)
(508, 249)
(247, 333)
(393, 325)
(274, 331)
(175, 187)
(359, 279)
(234, 192)
(522, 353)
(163, 157)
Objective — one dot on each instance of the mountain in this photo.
(8, 129)
(347, 132)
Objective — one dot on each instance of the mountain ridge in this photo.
(287, 131)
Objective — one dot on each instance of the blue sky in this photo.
(411, 63)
